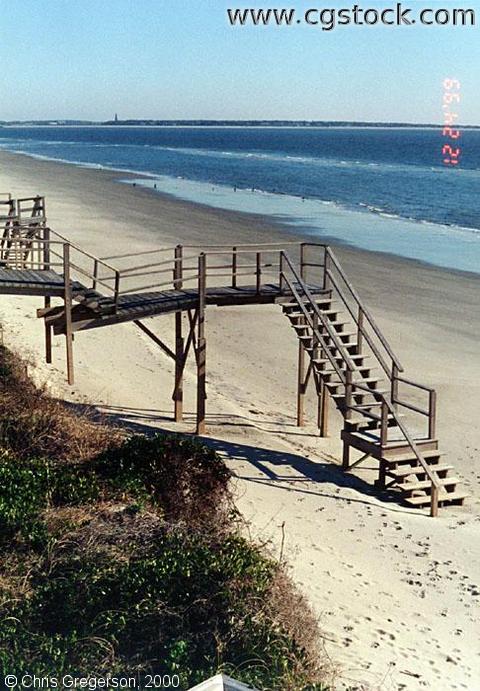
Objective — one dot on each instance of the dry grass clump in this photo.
(124, 555)
(34, 425)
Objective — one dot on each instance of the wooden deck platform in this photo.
(34, 282)
(98, 311)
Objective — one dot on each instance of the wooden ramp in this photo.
(387, 417)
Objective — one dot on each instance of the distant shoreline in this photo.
(253, 124)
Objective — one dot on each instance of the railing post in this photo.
(47, 301)
(303, 270)
(46, 249)
(201, 344)
(348, 393)
(434, 501)
(179, 341)
(234, 267)
(68, 312)
(301, 384)
(95, 274)
(281, 279)
(360, 330)
(347, 415)
(384, 425)
(116, 290)
(326, 269)
(432, 415)
(258, 273)
(178, 268)
(394, 383)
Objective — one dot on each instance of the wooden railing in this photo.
(369, 334)
(308, 306)
(177, 267)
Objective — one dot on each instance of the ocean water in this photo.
(381, 189)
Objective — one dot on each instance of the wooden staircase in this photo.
(351, 362)
(349, 358)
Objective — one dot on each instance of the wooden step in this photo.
(426, 484)
(288, 306)
(367, 413)
(443, 498)
(356, 392)
(341, 334)
(400, 473)
(295, 314)
(363, 370)
(340, 360)
(410, 457)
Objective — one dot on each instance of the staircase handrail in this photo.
(364, 310)
(431, 474)
(325, 322)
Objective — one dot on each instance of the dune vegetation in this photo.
(125, 554)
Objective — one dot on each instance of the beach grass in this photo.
(125, 555)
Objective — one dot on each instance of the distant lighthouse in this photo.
(116, 117)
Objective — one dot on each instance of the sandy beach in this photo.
(397, 593)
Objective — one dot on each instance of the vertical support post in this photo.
(179, 342)
(434, 501)
(234, 267)
(382, 475)
(201, 344)
(301, 386)
(258, 273)
(323, 410)
(348, 415)
(47, 301)
(95, 274)
(68, 312)
(432, 415)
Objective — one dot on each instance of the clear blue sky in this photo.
(88, 59)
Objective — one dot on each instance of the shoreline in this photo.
(393, 589)
(270, 223)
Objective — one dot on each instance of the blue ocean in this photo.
(383, 189)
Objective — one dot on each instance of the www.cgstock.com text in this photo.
(328, 18)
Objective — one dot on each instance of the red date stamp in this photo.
(451, 151)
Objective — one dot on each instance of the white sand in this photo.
(397, 593)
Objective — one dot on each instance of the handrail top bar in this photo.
(332, 333)
(233, 246)
(75, 247)
(410, 382)
(139, 254)
(365, 310)
(308, 316)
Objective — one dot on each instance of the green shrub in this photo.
(91, 584)
(27, 488)
(187, 605)
(187, 479)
